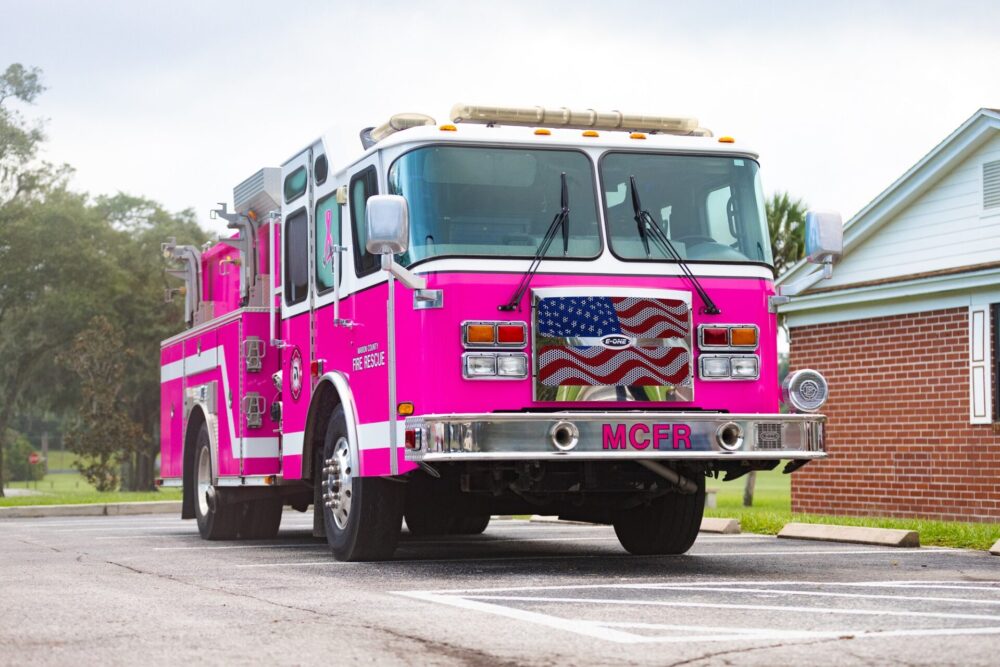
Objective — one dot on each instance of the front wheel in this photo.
(362, 516)
(667, 525)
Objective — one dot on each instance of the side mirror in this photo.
(824, 237)
(388, 224)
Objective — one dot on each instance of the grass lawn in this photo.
(60, 460)
(773, 509)
(73, 489)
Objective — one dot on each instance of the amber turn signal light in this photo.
(743, 337)
(479, 333)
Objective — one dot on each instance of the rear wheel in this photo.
(261, 519)
(215, 520)
(667, 525)
(362, 516)
(429, 510)
(470, 525)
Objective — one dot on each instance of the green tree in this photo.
(138, 308)
(17, 456)
(786, 221)
(104, 432)
(65, 259)
(55, 274)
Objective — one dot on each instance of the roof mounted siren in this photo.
(587, 119)
(399, 122)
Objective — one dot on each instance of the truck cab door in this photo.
(296, 305)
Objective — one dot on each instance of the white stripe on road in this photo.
(746, 607)
(860, 596)
(555, 622)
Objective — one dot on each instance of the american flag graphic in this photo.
(596, 365)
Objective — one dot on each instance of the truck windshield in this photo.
(711, 208)
(471, 201)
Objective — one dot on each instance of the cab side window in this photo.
(364, 184)
(327, 237)
(296, 234)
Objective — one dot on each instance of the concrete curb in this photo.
(95, 509)
(724, 526)
(886, 537)
(995, 549)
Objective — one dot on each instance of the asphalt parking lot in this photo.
(116, 590)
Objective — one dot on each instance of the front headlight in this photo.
(805, 390)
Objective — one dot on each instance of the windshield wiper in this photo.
(648, 228)
(561, 219)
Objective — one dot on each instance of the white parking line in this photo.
(618, 631)
(747, 607)
(859, 596)
(647, 585)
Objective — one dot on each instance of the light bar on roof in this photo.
(575, 119)
(399, 122)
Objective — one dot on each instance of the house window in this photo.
(980, 366)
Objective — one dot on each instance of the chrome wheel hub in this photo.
(338, 473)
(204, 481)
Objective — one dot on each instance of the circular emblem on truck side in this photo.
(295, 373)
(616, 342)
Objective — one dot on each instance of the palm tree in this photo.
(786, 221)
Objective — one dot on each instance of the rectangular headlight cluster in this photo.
(494, 334)
(729, 366)
(494, 365)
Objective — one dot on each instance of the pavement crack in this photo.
(43, 546)
(709, 656)
(212, 589)
(468, 656)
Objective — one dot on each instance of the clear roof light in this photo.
(576, 119)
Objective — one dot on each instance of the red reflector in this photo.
(411, 439)
(316, 367)
(715, 336)
(510, 334)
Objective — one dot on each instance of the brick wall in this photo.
(898, 430)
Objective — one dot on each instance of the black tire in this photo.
(470, 525)
(369, 527)
(261, 519)
(667, 525)
(428, 511)
(215, 521)
(427, 520)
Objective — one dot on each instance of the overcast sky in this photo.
(180, 100)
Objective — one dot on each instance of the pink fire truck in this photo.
(523, 311)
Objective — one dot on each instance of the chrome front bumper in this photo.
(614, 435)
